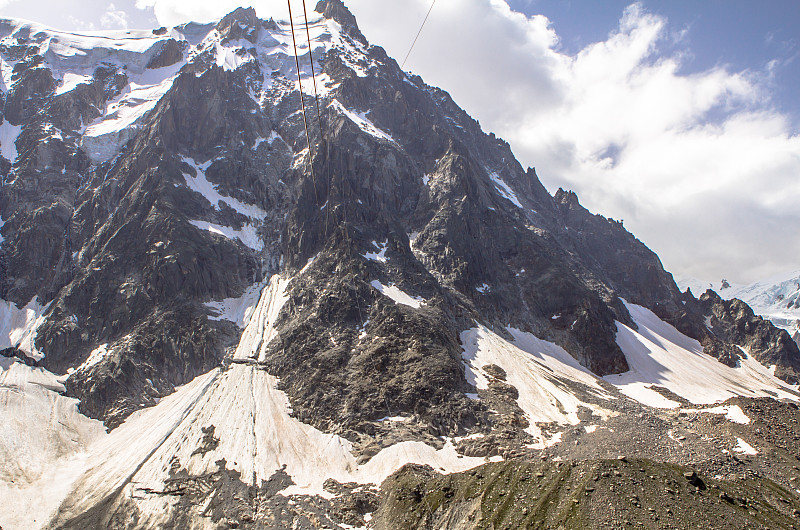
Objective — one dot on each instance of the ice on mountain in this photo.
(541, 372)
(776, 298)
(360, 119)
(6, 71)
(260, 328)
(379, 256)
(104, 138)
(504, 189)
(43, 438)
(399, 296)
(744, 448)
(732, 413)
(232, 55)
(237, 310)
(18, 326)
(95, 357)
(259, 439)
(71, 81)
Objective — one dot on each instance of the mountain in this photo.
(776, 298)
(227, 303)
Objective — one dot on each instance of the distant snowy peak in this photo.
(776, 298)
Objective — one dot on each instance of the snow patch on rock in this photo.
(8, 138)
(744, 448)
(201, 185)
(95, 357)
(505, 190)
(732, 413)
(248, 234)
(18, 326)
(237, 310)
(360, 119)
(379, 256)
(399, 296)
(70, 81)
(540, 371)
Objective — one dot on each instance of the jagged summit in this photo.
(286, 316)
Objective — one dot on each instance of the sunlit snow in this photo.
(257, 435)
(95, 357)
(744, 448)
(360, 119)
(504, 189)
(42, 444)
(201, 185)
(18, 326)
(399, 296)
(658, 354)
(732, 413)
(379, 256)
(538, 369)
(8, 138)
(71, 81)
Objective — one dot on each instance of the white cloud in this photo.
(81, 25)
(114, 18)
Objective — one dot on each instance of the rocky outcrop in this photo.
(733, 323)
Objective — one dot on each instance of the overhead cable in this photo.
(303, 103)
(418, 33)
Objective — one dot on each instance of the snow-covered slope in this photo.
(18, 326)
(238, 414)
(43, 441)
(659, 355)
(549, 380)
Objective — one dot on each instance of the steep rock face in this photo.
(734, 322)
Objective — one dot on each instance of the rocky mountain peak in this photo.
(241, 23)
(337, 11)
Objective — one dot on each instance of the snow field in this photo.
(658, 354)
(18, 326)
(539, 370)
(43, 438)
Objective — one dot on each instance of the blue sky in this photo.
(678, 117)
